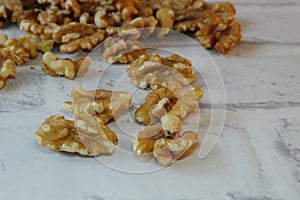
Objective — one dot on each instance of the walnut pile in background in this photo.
(77, 25)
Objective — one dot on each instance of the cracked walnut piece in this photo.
(105, 105)
(14, 9)
(165, 147)
(166, 151)
(188, 103)
(165, 17)
(7, 70)
(87, 136)
(121, 50)
(157, 103)
(171, 72)
(229, 37)
(55, 66)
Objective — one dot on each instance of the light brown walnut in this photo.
(54, 66)
(129, 9)
(165, 17)
(7, 70)
(187, 104)
(225, 10)
(157, 103)
(229, 38)
(165, 147)
(167, 151)
(155, 71)
(14, 9)
(86, 136)
(105, 105)
(117, 49)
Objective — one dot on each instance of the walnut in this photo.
(36, 30)
(207, 26)
(7, 70)
(14, 9)
(172, 72)
(139, 27)
(129, 9)
(166, 151)
(146, 12)
(73, 6)
(84, 18)
(3, 15)
(187, 104)
(45, 46)
(77, 36)
(165, 17)
(165, 147)
(157, 103)
(105, 105)
(18, 49)
(117, 49)
(87, 136)
(225, 10)
(143, 142)
(230, 37)
(55, 66)
(104, 19)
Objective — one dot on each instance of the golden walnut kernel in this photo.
(187, 104)
(7, 70)
(77, 36)
(87, 136)
(103, 18)
(172, 72)
(165, 147)
(129, 9)
(225, 10)
(18, 50)
(157, 103)
(230, 37)
(105, 105)
(121, 50)
(167, 151)
(14, 8)
(165, 17)
(55, 66)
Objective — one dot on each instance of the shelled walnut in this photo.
(87, 136)
(172, 72)
(19, 50)
(14, 9)
(7, 70)
(117, 49)
(225, 10)
(129, 9)
(165, 147)
(105, 105)
(77, 36)
(157, 103)
(55, 66)
(103, 18)
(165, 17)
(229, 37)
(187, 104)
(166, 151)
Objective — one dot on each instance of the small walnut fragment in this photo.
(165, 147)
(129, 9)
(165, 17)
(105, 105)
(157, 103)
(86, 136)
(155, 71)
(166, 151)
(171, 121)
(229, 38)
(7, 71)
(55, 66)
(103, 18)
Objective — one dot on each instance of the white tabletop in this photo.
(257, 156)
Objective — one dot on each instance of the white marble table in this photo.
(256, 158)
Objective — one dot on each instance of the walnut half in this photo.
(86, 136)
(55, 66)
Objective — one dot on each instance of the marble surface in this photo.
(256, 158)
